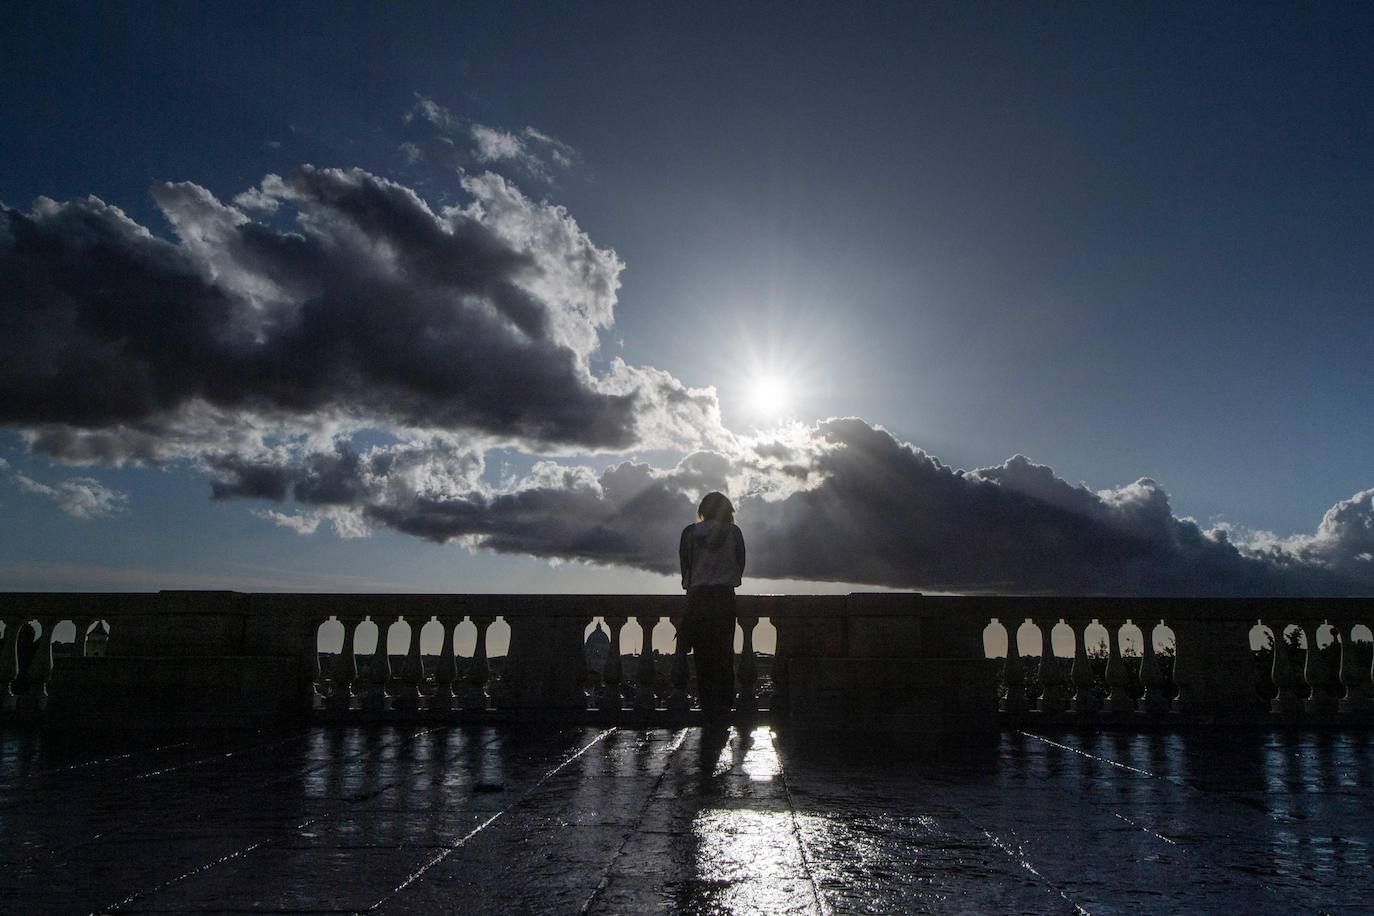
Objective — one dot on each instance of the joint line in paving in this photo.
(101, 761)
(1019, 858)
(821, 903)
(625, 841)
(450, 850)
(238, 853)
(214, 758)
(1279, 893)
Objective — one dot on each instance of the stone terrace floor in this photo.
(583, 819)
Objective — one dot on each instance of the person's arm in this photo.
(739, 550)
(684, 555)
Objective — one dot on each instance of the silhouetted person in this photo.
(712, 556)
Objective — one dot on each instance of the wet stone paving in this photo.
(569, 819)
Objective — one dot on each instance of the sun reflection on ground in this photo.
(748, 861)
(761, 762)
(751, 752)
(745, 851)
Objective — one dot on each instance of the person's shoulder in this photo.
(739, 531)
(688, 530)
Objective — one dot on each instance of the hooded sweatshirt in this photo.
(712, 553)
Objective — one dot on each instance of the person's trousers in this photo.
(712, 611)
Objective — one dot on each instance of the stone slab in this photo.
(163, 692)
(438, 820)
(904, 696)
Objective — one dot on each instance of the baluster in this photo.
(678, 700)
(474, 696)
(748, 699)
(347, 674)
(1317, 673)
(407, 685)
(1155, 702)
(1118, 679)
(1052, 693)
(645, 675)
(9, 664)
(1013, 673)
(1085, 700)
(79, 640)
(1359, 687)
(380, 676)
(316, 696)
(612, 672)
(1285, 676)
(40, 668)
(446, 667)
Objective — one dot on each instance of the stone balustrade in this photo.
(868, 661)
(1218, 661)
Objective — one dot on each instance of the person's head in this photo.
(716, 508)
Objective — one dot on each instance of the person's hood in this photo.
(711, 533)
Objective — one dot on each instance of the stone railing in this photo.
(865, 661)
(1223, 660)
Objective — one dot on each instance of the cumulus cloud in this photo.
(846, 501)
(1343, 541)
(331, 344)
(370, 309)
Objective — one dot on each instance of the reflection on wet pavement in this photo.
(740, 820)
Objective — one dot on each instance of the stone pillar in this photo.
(645, 699)
(79, 640)
(35, 697)
(9, 660)
(1119, 700)
(778, 702)
(1155, 702)
(314, 695)
(1355, 677)
(547, 662)
(612, 672)
(1285, 674)
(1213, 668)
(747, 700)
(380, 677)
(407, 686)
(1053, 695)
(1323, 700)
(446, 666)
(475, 697)
(678, 701)
(1085, 701)
(347, 675)
(1013, 673)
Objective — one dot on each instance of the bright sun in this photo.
(768, 396)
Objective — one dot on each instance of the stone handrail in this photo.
(875, 661)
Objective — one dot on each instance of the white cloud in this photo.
(534, 153)
(79, 497)
(303, 523)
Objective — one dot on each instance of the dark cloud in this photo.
(879, 512)
(270, 335)
(371, 309)
(238, 477)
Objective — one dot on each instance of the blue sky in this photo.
(1123, 240)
